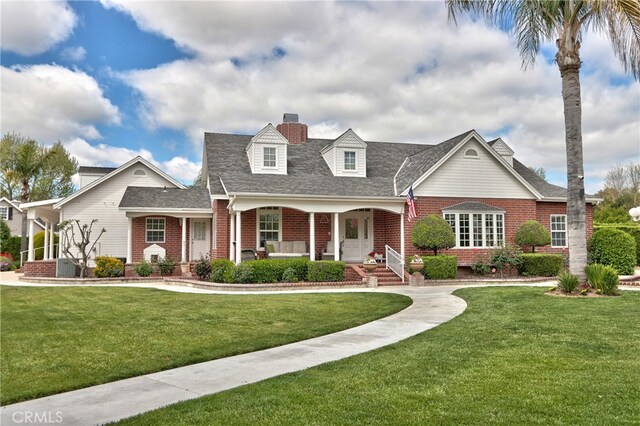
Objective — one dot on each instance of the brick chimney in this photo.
(292, 129)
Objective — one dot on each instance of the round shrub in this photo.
(38, 244)
(433, 233)
(614, 248)
(143, 269)
(107, 267)
(533, 234)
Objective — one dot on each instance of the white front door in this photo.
(200, 244)
(356, 235)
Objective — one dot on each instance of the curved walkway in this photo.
(117, 400)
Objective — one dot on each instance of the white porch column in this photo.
(336, 236)
(183, 255)
(52, 245)
(45, 247)
(130, 240)
(30, 254)
(312, 236)
(238, 237)
(232, 237)
(402, 236)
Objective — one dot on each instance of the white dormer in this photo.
(347, 155)
(267, 152)
(503, 149)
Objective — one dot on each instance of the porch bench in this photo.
(286, 249)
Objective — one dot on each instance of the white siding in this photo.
(267, 137)
(361, 162)
(15, 224)
(330, 159)
(101, 202)
(504, 150)
(482, 177)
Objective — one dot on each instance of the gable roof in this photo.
(347, 139)
(11, 203)
(115, 172)
(166, 198)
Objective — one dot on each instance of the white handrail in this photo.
(395, 262)
(24, 252)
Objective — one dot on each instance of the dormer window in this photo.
(269, 157)
(349, 160)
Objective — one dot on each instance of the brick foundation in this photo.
(40, 268)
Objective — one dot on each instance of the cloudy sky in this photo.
(115, 79)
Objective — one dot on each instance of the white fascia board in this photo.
(484, 144)
(395, 187)
(590, 200)
(11, 203)
(51, 201)
(116, 172)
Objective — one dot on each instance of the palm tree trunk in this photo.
(576, 210)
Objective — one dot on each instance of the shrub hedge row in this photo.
(276, 270)
(613, 247)
(326, 271)
(541, 265)
(440, 267)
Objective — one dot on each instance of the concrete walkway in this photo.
(117, 400)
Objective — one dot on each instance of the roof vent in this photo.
(290, 118)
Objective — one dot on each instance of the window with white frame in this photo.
(155, 229)
(4, 212)
(269, 225)
(269, 157)
(349, 160)
(477, 229)
(558, 230)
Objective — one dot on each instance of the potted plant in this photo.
(416, 263)
(370, 264)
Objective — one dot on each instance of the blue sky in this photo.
(115, 79)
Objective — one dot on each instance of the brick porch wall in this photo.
(172, 240)
(40, 268)
(221, 233)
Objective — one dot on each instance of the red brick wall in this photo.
(221, 233)
(172, 239)
(296, 133)
(40, 268)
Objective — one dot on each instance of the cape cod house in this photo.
(292, 195)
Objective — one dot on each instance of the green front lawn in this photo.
(515, 356)
(58, 339)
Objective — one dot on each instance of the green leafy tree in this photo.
(32, 172)
(563, 22)
(433, 233)
(532, 233)
(5, 233)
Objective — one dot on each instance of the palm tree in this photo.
(563, 21)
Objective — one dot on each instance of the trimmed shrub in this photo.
(509, 256)
(243, 273)
(632, 229)
(567, 282)
(440, 267)
(167, 266)
(541, 265)
(107, 267)
(533, 234)
(612, 247)
(38, 241)
(433, 233)
(290, 276)
(202, 268)
(221, 271)
(326, 271)
(271, 270)
(12, 246)
(143, 269)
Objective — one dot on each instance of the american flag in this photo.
(411, 201)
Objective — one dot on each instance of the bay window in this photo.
(476, 229)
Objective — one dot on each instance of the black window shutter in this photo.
(10, 213)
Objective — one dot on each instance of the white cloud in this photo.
(106, 155)
(391, 71)
(50, 102)
(33, 27)
(74, 54)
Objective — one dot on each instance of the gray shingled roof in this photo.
(91, 169)
(472, 206)
(171, 198)
(308, 174)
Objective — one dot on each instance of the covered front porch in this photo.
(330, 229)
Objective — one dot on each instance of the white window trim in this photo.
(475, 157)
(355, 161)
(551, 231)
(267, 209)
(164, 231)
(5, 215)
(483, 225)
(275, 148)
